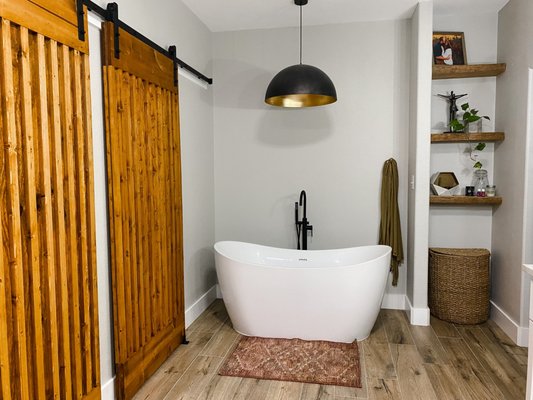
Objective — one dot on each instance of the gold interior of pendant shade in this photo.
(300, 100)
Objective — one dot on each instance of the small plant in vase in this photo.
(470, 116)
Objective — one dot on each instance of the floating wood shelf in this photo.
(470, 137)
(465, 200)
(467, 71)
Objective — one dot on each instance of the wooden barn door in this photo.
(48, 306)
(144, 175)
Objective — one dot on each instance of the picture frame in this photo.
(449, 48)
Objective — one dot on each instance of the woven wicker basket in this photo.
(459, 285)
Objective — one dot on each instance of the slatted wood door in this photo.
(48, 306)
(144, 175)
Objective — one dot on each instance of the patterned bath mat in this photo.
(322, 362)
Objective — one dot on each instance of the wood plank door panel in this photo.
(49, 345)
(143, 159)
(55, 19)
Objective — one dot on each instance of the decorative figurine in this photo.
(452, 98)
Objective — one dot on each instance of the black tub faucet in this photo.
(302, 227)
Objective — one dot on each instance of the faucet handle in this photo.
(310, 228)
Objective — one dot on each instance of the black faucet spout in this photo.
(303, 196)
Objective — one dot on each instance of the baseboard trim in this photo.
(200, 305)
(417, 315)
(393, 301)
(519, 334)
(522, 337)
(108, 390)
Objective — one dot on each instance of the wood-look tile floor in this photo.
(398, 361)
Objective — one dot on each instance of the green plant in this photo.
(479, 147)
(469, 115)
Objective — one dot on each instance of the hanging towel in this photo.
(390, 232)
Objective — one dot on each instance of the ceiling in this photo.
(232, 15)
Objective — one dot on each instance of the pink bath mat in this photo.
(316, 361)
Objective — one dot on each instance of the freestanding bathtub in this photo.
(330, 295)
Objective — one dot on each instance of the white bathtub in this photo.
(330, 295)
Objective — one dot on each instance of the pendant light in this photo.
(300, 85)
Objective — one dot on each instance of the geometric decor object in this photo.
(444, 184)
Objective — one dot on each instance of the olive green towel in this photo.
(390, 231)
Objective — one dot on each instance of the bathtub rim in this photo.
(217, 245)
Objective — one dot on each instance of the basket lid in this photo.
(459, 252)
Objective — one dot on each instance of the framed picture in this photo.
(449, 48)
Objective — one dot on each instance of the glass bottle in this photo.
(480, 181)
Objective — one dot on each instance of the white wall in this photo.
(418, 168)
(511, 241)
(169, 23)
(265, 156)
(464, 226)
(527, 238)
(100, 190)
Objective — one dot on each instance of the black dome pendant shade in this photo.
(300, 85)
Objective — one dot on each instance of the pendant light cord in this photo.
(300, 35)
